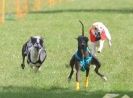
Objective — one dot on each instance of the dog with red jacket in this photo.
(98, 33)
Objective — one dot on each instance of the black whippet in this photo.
(82, 60)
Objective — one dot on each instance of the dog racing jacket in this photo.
(104, 32)
(85, 61)
(94, 36)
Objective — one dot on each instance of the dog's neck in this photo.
(83, 52)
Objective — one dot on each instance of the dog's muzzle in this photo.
(83, 44)
(37, 46)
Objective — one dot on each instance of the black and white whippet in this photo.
(35, 52)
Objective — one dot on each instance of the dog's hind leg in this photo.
(102, 76)
(87, 78)
(98, 65)
(72, 62)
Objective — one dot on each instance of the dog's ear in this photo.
(41, 42)
(86, 39)
(33, 40)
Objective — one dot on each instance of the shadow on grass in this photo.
(122, 11)
(60, 11)
(53, 92)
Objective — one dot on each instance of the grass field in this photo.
(59, 26)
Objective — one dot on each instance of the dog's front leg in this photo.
(101, 43)
(77, 67)
(23, 62)
(87, 78)
(24, 55)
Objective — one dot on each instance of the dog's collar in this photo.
(79, 57)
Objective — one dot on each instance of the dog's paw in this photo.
(104, 78)
(99, 51)
(77, 86)
(22, 66)
(86, 83)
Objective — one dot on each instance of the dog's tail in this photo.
(82, 28)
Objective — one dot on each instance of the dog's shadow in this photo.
(53, 92)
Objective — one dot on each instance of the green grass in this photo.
(59, 26)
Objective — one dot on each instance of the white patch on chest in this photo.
(34, 55)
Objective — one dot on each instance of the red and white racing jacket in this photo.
(104, 33)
